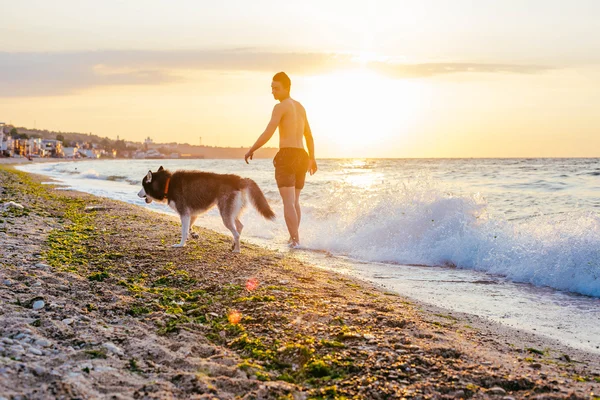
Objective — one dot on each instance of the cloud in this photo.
(432, 69)
(42, 74)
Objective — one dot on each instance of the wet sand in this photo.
(97, 304)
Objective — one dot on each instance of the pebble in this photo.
(42, 343)
(112, 348)
(17, 349)
(1, 349)
(35, 351)
(411, 347)
(42, 265)
(88, 366)
(38, 370)
(104, 369)
(508, 398)
(496, 390)
(536, 366)
(67, 321)
(7, 282)
(7, 340)
(38, 304)
(20, 336)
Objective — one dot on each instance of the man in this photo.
(291, 162)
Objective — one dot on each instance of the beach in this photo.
(97, 304)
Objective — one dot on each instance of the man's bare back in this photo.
(291, 124)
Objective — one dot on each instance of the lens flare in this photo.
(234, 317)
(252, 284)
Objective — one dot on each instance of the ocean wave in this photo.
(116, 178)
(424, 225)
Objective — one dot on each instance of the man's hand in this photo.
(248, 155)
(312, 166)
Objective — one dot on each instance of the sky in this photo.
(428, 78)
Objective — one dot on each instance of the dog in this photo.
(191, 193)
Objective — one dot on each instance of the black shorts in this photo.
(291, 164)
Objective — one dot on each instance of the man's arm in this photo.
(268, 133)
(310, 144)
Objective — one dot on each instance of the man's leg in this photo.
(297, 205)
(298, 213)
(288, 195)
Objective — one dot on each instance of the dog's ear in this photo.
(160, 169)
(149, 177)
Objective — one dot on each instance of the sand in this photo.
(95, 303)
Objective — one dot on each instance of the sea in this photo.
(515, 241)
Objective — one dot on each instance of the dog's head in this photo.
(153, 186)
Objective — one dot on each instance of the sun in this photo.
(358, 109)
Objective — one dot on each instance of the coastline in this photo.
(123, 308)
(24, 160)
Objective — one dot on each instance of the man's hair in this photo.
(284, 79)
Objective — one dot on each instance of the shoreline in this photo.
(301, 332)
(8, 161)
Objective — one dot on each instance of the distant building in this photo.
(152, 153)
(7, 144)
(1, 138)
(90, 153)
(52, 147)
(20, 147)
(71, 152)
(35, 147)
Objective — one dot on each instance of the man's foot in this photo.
(292, 244)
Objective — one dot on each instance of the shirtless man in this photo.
(291, 162)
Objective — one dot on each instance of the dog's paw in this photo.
(194, 235)
(178, 245)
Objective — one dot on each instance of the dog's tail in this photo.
(258, 199)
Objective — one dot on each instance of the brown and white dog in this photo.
(191, 193)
